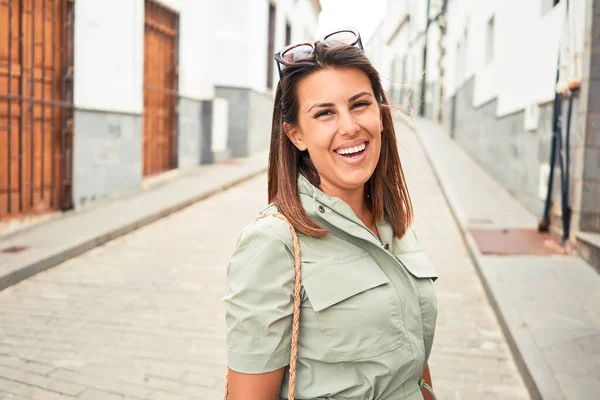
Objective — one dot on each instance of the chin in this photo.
(353, 181)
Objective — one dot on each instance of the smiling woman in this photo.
(342, 136)
(366, 296)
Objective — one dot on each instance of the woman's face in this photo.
(339, 123)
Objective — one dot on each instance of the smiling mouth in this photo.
(352, 151)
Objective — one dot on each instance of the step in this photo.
(588, 246)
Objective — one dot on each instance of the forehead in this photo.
(332, 85)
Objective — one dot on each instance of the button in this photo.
(387, 246)
(321, 209)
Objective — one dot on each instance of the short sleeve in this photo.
(259, 302)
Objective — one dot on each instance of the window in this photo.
(489, 42)
(288, 33)
(271, 46)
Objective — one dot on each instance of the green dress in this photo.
(368, 312)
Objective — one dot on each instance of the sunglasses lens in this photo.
(343, 37)
(297, 53)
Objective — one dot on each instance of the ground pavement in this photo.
(548, 302)
(140, 317)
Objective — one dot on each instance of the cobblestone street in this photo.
(470, 357)
(141, 318)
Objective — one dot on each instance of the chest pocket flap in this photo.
(355, 308)
(418, 264)
(329, 284)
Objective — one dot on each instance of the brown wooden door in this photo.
(161, 35)
(36, 58)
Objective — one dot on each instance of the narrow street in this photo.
(141, 318)
(470, 357)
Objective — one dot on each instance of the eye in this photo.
(362, 104)
(323, 113)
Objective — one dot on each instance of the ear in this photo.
(294, 134)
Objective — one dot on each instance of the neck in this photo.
(355, 198)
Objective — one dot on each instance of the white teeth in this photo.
(351, 150)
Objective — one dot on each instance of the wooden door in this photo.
(36, 106)
(161, 35)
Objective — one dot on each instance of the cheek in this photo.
(372, 123)
(318, 135)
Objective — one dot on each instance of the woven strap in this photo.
(424, 385)
(296, 314)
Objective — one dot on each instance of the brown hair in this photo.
(385, 191)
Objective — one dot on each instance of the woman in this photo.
(368, 307)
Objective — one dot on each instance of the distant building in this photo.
(101, 97)
(246, 74)
(487, 71)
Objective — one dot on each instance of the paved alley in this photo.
(470, 357)
(141, 318)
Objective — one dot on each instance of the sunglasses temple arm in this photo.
(279, 69)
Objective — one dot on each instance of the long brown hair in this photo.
(386, 193)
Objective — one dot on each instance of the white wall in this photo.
(388, 46)
(109, 55)
(197, 23)
(526, 49)
(242, 39)
(380, 57)
(238, 53)
(401, 41)
(219, 128)
(303, 21)
(433, 53)
(216, 47)
(109, 52)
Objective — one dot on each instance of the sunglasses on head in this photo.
(296, 52)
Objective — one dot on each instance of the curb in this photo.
(475, 255)
(67, 253)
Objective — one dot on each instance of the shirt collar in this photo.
(333, 210)
(319, 205)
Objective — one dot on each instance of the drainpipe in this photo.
(573, 88)
(567, 211)
(424, 79)
(544, 223)
(560, 148)
(442, 21)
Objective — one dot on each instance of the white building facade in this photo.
(114, 56)
(251, 32)
(487, 70)
(126, 91)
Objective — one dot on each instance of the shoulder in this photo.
(265, 239)
(269, 226)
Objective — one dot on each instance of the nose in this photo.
(347, 124)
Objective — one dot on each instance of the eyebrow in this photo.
(356, 96)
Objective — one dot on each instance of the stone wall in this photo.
(250, 119)
(107, 154)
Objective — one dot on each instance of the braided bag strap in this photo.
(296, 313)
